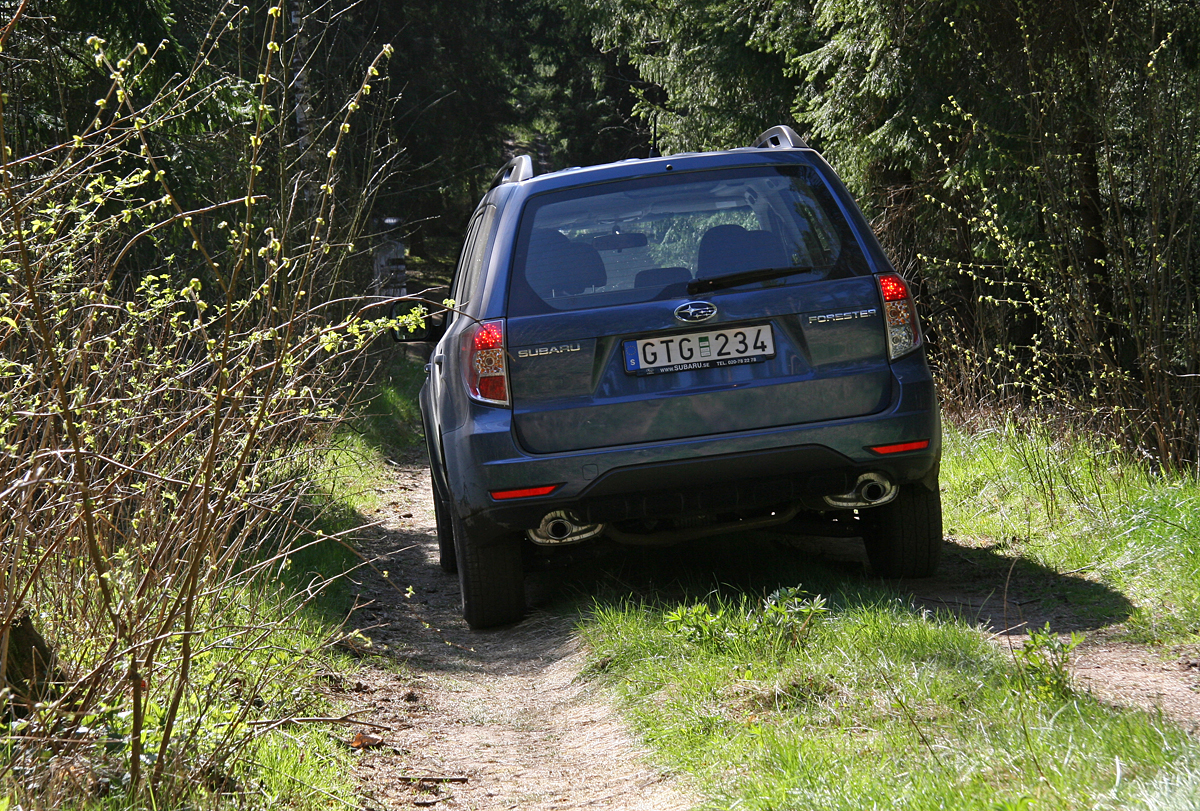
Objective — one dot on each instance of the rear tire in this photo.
(491, 577)
(904, 537)
(447, 558)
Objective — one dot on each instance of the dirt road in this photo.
(500, 720)
(492, 720)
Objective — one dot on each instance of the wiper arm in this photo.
(742, 277)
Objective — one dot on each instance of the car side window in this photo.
(470, 264)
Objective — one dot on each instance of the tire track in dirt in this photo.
(493, 720)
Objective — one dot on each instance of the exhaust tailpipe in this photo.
(561, 527)
(871, 490)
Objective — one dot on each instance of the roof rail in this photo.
(518, 169)
(781, 136)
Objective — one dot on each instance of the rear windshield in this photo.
(645, 239)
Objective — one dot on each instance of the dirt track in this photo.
(492, 720)
(500, 720)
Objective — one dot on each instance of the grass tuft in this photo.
(1064, 503)
(884, 705)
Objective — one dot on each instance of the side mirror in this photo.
(426, 332)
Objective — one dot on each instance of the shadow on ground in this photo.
(984, 585)
(414, 615)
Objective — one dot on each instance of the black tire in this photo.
(491, 577)
(904, 537)
(447, 557)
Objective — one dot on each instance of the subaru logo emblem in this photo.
(695, 311)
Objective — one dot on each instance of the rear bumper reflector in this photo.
(524, 492)
(901, 447)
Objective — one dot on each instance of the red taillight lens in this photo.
(893, 288)
(524, 492)
(489, 335)
(493, 389)
(901, 447)
(900, 316)
(485, 370)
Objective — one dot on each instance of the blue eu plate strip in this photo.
(631, 356)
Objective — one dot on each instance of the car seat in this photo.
(556, 266)
(732, 249)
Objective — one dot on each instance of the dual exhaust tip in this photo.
(871, 490)
(562, 527)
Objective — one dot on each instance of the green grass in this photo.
(1059, 501)
(388, 416)
(386, 425)
(302, 766)
(881, 705)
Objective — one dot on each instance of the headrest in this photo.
(732, 249)
(557, 265)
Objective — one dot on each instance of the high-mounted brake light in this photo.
(524, 492)
(485, 370)
(900, 316)
(901, 447)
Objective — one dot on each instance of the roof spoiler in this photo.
(779, 137)
(518, 169)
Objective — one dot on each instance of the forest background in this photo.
(192, 191)
(1032, 166)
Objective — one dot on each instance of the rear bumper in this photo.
(698, 476)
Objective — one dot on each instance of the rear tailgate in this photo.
(572, 388)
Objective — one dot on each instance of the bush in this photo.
(166, 369)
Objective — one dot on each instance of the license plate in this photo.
(699, 350)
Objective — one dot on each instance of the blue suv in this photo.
(660, 350)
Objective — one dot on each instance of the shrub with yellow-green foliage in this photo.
(164, 372)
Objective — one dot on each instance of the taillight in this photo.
(485, 370)
(900, 316)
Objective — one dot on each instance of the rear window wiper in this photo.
(742, 277)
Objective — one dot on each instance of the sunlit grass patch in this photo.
(386, 424)
(881, 705)
(1060, 501)
(306, 770)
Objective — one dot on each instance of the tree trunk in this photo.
(30, 667)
